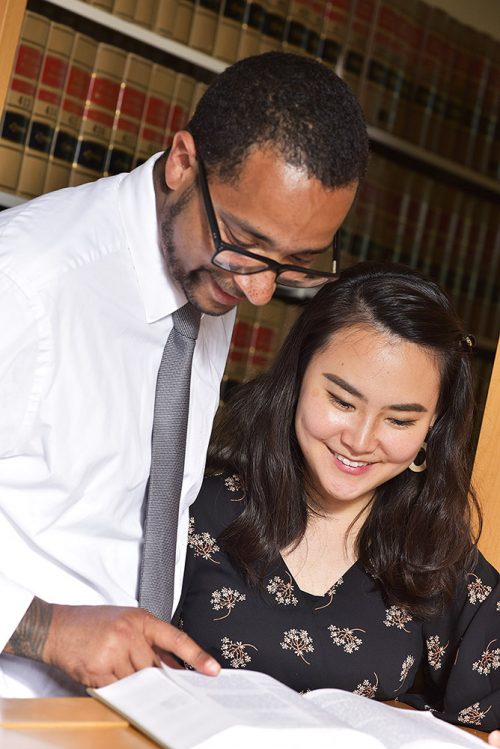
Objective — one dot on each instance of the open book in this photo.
(239, 709)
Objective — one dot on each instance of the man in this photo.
(89, 280)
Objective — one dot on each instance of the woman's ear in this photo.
(181, 164)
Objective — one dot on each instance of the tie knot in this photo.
(187, 321)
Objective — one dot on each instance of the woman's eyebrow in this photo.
(344, 384)
(408, 407)
(413, 407)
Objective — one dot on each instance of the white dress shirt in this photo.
(85, 310)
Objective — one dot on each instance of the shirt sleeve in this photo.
(462, 660)
(19, 351)
(15, 602)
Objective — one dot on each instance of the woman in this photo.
(333, 544)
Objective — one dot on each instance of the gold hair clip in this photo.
(468, 342)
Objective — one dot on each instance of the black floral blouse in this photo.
(349, 638)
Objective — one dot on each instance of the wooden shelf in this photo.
(430, 159)
(141, 34)
(9, 200)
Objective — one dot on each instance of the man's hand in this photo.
(494, 738)
(97, 645)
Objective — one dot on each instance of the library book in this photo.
(181, 709)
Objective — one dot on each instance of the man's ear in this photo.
(181, 165)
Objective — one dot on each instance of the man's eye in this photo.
(303, 259)
(233, 239)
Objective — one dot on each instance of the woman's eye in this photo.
(402, 422)
(339, 402)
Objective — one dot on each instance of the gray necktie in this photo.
(156, 584)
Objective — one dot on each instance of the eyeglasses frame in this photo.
(220, 245)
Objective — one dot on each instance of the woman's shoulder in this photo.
(482, 574)
(478, 584)
(220, 501)
(480, 566)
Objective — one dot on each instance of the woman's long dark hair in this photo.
(417, 539)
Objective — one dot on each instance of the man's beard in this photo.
(192, 280)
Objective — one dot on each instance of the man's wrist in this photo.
(30, 636)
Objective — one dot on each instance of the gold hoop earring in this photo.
(419, 467)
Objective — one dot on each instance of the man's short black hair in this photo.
(290, 103)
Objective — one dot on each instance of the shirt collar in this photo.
(160, 294)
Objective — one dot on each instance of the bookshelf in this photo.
(433, 161)
(392, 151)
(11, 17)
(10, 23)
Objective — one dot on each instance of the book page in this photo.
(395, 728)
(163, 711)
(252, 698)
(183, 709)
(251, 737)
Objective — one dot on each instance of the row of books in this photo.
(89, 108)
(419, 73)
(447, 233)
(78, 109)
(257, 335)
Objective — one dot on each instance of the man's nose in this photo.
(258, 287)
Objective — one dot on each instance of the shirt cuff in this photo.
(15, 602)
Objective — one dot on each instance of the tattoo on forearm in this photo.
(29, 638)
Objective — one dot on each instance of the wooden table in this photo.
(73, 723)
(65, 723)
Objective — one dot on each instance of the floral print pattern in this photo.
(282, 590)
(366, 688)
(405, 670)
(489, 661)
(397, 617)
(345, 638)
(478, 591)
(435, 651)
(233, 484)
(330, 593)
(299, 642)
(236, 653)
(227, 598)
(472, 714)
(203, 544)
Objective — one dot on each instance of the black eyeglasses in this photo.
(237, 260)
